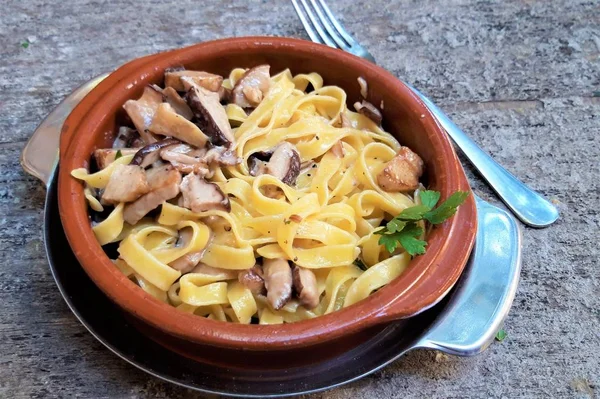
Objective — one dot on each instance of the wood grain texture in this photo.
(522, 77)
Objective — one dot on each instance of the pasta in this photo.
(272, 220)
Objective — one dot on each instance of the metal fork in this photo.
(529, 206)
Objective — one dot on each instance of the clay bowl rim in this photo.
(403, 297)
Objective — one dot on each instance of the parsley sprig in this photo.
(403, 229)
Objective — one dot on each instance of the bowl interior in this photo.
(404, 116)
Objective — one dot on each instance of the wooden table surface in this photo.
(522, 77)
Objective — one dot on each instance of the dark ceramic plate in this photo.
(455, 325)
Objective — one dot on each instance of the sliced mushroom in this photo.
(211, 116)
(221, 274)
(186, 159)
(307, 165)
(369, 110)
(149, 154)
(251, 88)
(106, 156)
(256, 166)
(305, 285)
(167, 122)
(346, 122)
(278, 281)
(164, 183)
(127, 138)
(253, 280)
(222, 156)
(200, 195)
(178, 80)
(284, 163)
(126, 184)
(364, 88)
(225, 95)
(338, 149)
(257, 162)
(189, 262)
(142, 111)
(178, 103)
(402, 173)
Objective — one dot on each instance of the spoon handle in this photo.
(485, 292)
(529, 206)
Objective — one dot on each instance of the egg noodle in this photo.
(323, 223)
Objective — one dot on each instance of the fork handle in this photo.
(529, 206)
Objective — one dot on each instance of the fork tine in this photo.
(330, 28)
(338, 26)
(314, 36)
(317, 25)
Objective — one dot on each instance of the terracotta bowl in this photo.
(95, 121)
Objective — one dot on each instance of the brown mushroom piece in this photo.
(256, 166)
(402, 173)
(364, 87)
(257, 162)
(177, 80)
(338, 149)
(127, 138)
(142, 111)
(345, 121)
(149, 154)
(106, 156)
(200, 195)
(126, 184)
(167, 122)
(305, 285)
(164, 183)
(190, 261)
(278, 281)
(210, 115)
(252, 87)
(222, 156)
(284, 163)
(369, 110)
(186, 159)
(253, 280)
(225, 95)
(178, 103)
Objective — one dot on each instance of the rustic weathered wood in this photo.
(521, 76)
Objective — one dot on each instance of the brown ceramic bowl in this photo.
(429, 277)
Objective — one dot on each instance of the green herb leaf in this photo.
(447, 209)
(404, 231)
(500, 335)
(118, 155)
(25, 44)
(409, 239)
(389, 241)
(395, 225)
(413, 213)
(380, 230)
(361, 265)
(429, 198)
